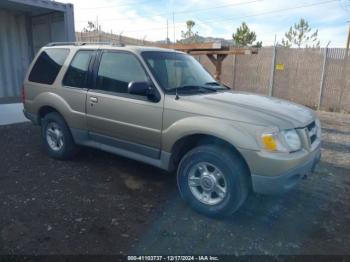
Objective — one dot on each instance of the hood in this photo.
(250, 108)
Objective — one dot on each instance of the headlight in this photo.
(281, 141)
(292, 139)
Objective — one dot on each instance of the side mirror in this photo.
(143, 88)
(138, 88)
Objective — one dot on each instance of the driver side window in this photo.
(117, 70)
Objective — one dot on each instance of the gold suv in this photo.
(161, 107)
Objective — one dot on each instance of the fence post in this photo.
(234, 72)
(272, 75)
(322, 78)
(343, 86)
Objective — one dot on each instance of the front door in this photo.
(117, 118)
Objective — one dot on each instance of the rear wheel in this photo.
(213, 180)
(57, 139)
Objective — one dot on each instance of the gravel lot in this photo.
(104, 204)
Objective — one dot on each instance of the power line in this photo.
(183, 12)
(274, 11)
(247, 16)
(121, 5)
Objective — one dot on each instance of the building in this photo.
(25, 26)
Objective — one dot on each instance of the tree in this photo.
(300, 35)
(189, 36)
(258, 44)
(245, 37)
(91, 27)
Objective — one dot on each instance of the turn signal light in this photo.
(269, 142)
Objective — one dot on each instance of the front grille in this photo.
(312, 132)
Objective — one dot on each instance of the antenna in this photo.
(176, 92)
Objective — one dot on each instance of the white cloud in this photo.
(150, 20)
(337, 35)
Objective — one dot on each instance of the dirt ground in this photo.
(104, 204)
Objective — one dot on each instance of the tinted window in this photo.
(48, 65)
(117, 70)
(77, 72)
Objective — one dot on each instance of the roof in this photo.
(34, 7)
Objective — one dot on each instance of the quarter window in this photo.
(48, 65)
(117, 70)
(77, 73)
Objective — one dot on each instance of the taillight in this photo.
(23, 95)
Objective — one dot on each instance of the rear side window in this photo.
(77, 73)
(48, 65)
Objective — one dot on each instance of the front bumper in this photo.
(279, 174)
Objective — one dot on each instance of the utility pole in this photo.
(167, 32)
(174, 27)
(120, 38)
(97, 24)
(348, 41)
(98, 30)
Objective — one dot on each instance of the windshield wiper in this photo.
(199, 87)
(220, 87)
(194, 88)
(212, 83)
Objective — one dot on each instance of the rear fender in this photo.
(74, 119)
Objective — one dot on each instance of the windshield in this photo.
(179, 70)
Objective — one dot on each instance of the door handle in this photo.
(93, 99)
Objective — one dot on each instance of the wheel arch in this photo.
(46, 109)
(188, 142)
(51, 102)
(185, 134)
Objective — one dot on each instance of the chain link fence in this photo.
(318, 78)
(100, 36)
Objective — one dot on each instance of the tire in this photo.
(232, 184)
(54, 126)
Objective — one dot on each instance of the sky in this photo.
(147, 19)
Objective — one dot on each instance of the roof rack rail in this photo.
(83, 43)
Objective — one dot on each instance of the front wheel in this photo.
(213, 180)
